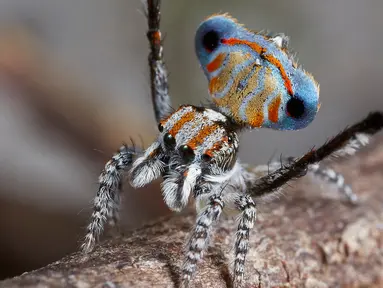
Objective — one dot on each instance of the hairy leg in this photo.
(158, 73)
(321, 171)
(345, 143)
(200, 236)
(331, 176)
(114, 218)
(246, 205)
(107, 200)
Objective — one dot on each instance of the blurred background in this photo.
(74, 86)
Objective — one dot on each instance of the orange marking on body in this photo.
(256, 47)
(217, 146)
(202, 134)
(216, 63)
(213, 84)
(285, 78)
(261, 51)
(153, 153)
(256, 119)
(255, 107)
(187, 117)
(209, 153)
(186, 173)
(166, 119)
(274, 109)
(157, 37)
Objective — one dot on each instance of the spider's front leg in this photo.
(107, 201)
(106, 204)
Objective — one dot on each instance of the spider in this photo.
(254, 82)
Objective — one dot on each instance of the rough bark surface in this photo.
(306, 238)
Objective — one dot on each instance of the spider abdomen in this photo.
(252, 78)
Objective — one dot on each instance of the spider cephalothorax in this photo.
(253, 83)
(194, 145)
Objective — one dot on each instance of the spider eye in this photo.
(210, 40)
(295, 107)
(230, 139)
(169, 140)
(187, 153)
(160, 127)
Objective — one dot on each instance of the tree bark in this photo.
(308, 237)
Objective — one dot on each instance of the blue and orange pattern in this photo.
(252, 77)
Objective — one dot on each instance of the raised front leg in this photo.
(158, 73)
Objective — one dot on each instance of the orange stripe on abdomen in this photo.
(216, 63)
(285, 78)
(273, 109)
(261, 51)
(213, 85)
(254, 109)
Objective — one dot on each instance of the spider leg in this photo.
(337, 146)
(107, 200)
(200, 236)
(330, 175)
(246, 205)
(318, 170)
(114, 218)
(158, 73)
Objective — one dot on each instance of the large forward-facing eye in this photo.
(295, 107)
(187, 153)
(169, 140)
(210, 41)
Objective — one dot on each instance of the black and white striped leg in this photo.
(246, 205)
(330, 175)
(158, 73)
(322, 170)
(106, 203)
(200, 237)
(114, 217)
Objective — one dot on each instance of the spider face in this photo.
(193, 144)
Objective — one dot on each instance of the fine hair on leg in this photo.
(199, 237)
(106, 202)
(158, 73)
(372, 124)
(246, 205)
